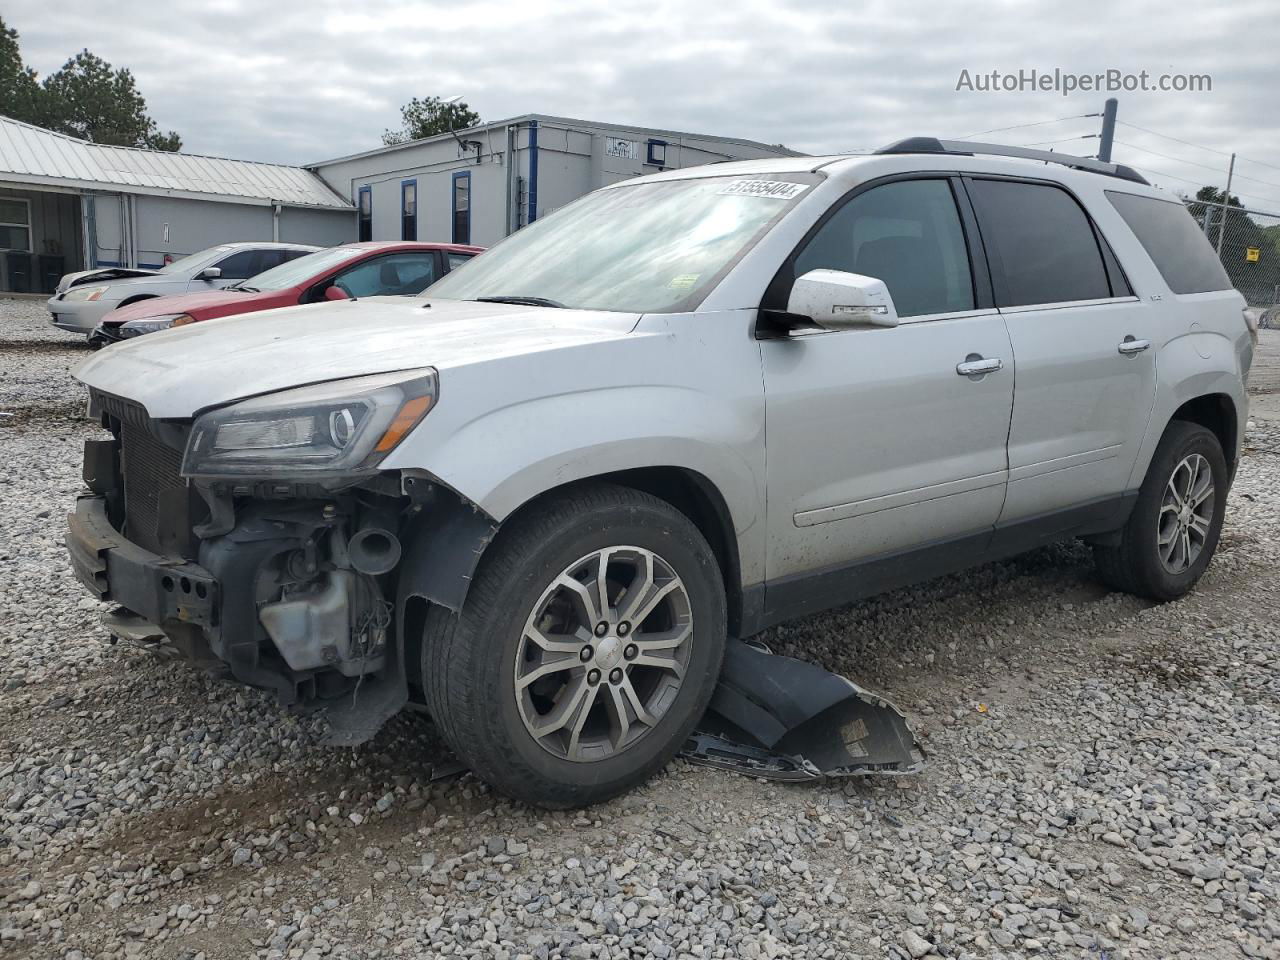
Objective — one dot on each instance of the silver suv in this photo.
(538, 498)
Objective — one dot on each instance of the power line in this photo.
(1198, 146)
(1036, 123)
(1041, 143)
(1238, 176)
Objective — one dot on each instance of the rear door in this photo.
(1083, 343)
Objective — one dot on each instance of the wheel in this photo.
(1173, 531)
(588, 647)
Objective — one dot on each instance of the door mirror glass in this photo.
(836, 300)
(209, 273)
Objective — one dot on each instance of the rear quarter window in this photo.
(1173, 242)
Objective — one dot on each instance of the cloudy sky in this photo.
(303, 80)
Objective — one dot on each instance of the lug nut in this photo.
(602, 628)
(615, 675)
(631, 651)
(624, 628)
(593, 677)
(587, 653)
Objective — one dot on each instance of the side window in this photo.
(364, 208)
(907, 234)
(409, 210)
(239, 266)
(1040, 242)
(462, 207)
(1174, 243)
(273, 258)
(397, 274)
(458, 259)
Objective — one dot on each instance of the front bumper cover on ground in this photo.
(784, 719)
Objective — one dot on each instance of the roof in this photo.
(545, 118)
(33, 155)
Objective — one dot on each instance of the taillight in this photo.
(1251, 321)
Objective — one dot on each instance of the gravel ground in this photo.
(1102, 782)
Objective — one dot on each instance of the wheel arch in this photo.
(1217, 413)
(447, 542)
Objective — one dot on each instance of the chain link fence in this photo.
(1248, 242)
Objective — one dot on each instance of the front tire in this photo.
(556, 696)
(1173, 530)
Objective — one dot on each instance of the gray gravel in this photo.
(1103, 777)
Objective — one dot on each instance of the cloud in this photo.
(303, 81)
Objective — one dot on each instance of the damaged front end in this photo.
(295, 586)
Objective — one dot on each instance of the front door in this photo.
(1084, 346)
(877, 443)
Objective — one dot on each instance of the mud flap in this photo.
(784, 719)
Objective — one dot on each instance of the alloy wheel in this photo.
(603, 654)
(1186, 514)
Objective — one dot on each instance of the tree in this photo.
(95, 102)
(19, 90)
(428, 117)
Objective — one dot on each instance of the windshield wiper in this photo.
(522, 301)
(241, 286)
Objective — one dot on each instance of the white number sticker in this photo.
(771, 189)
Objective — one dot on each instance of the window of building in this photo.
(409, 210)
(15, 224)
(907, 234)
(656, 153)
(365, 207)
(1040, 243)
(1173, 241)
(462, 207)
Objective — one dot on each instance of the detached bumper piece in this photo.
(783, 719)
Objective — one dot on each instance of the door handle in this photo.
(1130, 347)
(975, 366)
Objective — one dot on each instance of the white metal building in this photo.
(478, 185)
(68, 204)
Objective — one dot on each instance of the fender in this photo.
(1193, 365)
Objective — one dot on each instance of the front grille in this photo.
(150, 472)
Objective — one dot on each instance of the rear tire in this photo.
(523, 654)
(1173, 531)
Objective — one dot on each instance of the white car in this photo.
(539, 498)
(83, 299)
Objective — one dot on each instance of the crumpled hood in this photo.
(203, 306)
(176, 373)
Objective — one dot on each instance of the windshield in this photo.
(193, 260)
(302, 269)
(644, 248)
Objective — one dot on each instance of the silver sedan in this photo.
(83, 299)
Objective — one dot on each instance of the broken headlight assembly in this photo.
(342, 427)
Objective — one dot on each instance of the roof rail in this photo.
(967, 148)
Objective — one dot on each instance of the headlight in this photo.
(85, 293)
(340, 428)
(136, 328)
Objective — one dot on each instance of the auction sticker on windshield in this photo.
(773, 189)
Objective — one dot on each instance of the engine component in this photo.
(373, 550)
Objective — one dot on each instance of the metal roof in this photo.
(33, 155)
(543, 118)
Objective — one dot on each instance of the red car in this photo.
(353, 270)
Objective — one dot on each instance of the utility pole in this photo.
(1226, 198)
(1108, 129)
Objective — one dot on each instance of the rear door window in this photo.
(1174, 243)
(906, 233)
(1040, 243)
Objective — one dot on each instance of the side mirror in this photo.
(836, 300)
(209, 273)
(335, 292)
